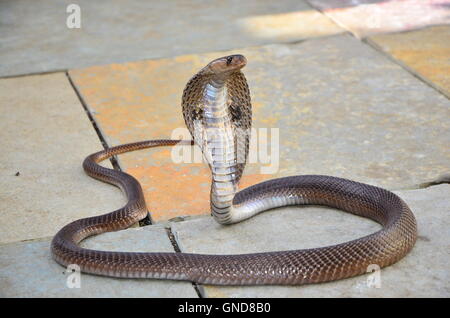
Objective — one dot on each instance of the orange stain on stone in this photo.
(425, 51)
(171, 192)
(179, 190)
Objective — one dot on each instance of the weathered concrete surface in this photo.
(27, 269)
(366, 17)
(45, 135)
(422, 273)
(426, 52)
(34, 36)
(341, 107)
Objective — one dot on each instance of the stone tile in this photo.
(366, 17)
(422, 273)
(341, 107)
(27, 269)
(45, 135)
(35, 38)
(426, 52)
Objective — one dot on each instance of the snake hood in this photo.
(217, 112)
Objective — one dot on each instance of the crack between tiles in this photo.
(442, 179)
(29, 240)
(34, 73)
(368, 41)
(408, 69)
(432, 183)
(197, 287)
(114, 161)
(330, 17)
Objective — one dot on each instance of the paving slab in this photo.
(425, 52)
(341, 108)
(45, 135)
(422, 273)
(27, 269)
(34, 36)
(366, 17)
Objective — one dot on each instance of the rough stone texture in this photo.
(422, 273)
(365, 17)
(341, 107)
(425, 52)
(34, 36)
(27, 269)
(45, 135)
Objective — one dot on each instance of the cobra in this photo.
(216, 102)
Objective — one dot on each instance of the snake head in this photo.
(225, 66)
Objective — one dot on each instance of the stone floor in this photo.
(356, 89)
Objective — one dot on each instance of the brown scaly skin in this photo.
(221, 89)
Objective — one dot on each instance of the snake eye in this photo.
(229, 59)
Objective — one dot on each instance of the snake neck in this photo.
(218, 143)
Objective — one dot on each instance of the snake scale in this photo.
(216, 106)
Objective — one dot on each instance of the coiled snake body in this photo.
(217, 109)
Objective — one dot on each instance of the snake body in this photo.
(217, 110)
